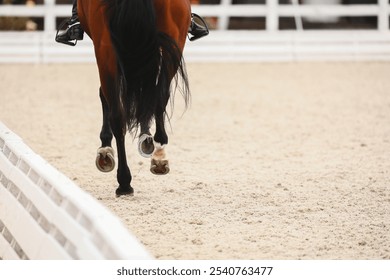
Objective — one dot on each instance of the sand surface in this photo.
(271, 161)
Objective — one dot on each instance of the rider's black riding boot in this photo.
(198, 28)
(74, 30)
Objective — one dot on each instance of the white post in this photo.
(50, 18)
(272, 20)
(297, 16)
(383, 16)
(223, 21)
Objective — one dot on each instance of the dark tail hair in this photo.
(143, 55)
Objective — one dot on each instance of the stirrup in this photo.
(200, 25)
(63, 23)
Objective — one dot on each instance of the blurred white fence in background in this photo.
(270, 44)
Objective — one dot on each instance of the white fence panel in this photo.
(254, 46)
(271, 44)
(44, 215)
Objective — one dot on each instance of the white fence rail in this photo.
(44, 215)
(272, 11)
(224, 45)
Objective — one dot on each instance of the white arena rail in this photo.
(44, 215)
(271, 44)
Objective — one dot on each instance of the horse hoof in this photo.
(145, 145)
(124, 191)
(105, 161)
(159, 167)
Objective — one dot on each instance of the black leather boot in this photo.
(198, 28)
(73, 32)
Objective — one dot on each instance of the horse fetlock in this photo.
(159, 152)
(105, 161)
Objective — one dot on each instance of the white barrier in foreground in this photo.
(44, 215)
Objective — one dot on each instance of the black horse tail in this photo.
(147, 59)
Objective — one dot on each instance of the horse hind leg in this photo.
(159, 162)
(123, 173)
(105, 161)
(114, 126)
(154, 147)
(146, 146)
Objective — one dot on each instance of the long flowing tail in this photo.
(147, 60)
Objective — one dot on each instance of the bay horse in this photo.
(139, 52)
